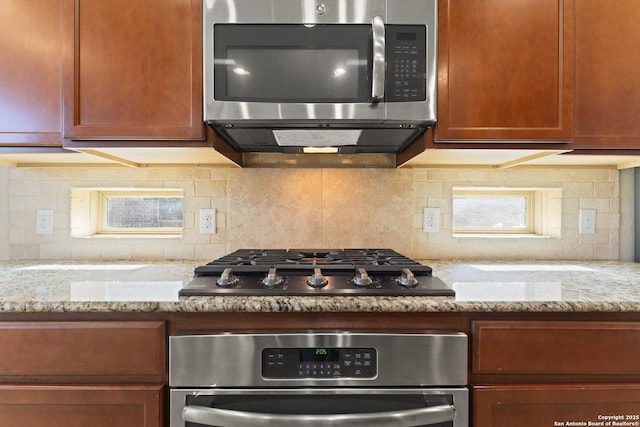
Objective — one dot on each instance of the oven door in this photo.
(319, 407)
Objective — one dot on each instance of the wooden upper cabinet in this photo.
(31, 72)
(607, 74)
(133, 70)
(505, 70)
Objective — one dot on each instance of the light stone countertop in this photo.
(481, 286)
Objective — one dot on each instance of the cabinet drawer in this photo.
(53, 349)
(555, 405)
(96, 406)
(531, 347)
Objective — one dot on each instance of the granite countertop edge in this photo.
(318, 305)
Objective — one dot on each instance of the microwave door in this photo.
(325, 73)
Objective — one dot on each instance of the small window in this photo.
(126, 212)
(493, 211)
(144, 213)
(498, 211)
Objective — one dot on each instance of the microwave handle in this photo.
(411, 417)
(377, 78)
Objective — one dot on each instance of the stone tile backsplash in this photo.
(307, 208)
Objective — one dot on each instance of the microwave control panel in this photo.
(406, 57)
(319, 363)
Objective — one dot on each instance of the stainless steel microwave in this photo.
(354, 75)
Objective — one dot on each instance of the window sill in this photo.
(131, 236)
(500, 236)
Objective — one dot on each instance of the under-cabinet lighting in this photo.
(320, 149)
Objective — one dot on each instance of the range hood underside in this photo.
(369, 140)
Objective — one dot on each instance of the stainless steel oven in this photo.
(319, 379)
(356, 74)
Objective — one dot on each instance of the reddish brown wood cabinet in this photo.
(91, 351)
(31, 72)
(133, 69)
(556, 348)
(550, 373)
(558, 405)
(505, 70)
(95, 406)
(89, 373)
(607, 77)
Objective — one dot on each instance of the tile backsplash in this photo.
(307, 208)
(4, 212)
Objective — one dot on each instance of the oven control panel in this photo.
(319, 363)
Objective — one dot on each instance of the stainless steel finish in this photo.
(378, 73)
(272, 280)
(294, 11)
(317, 280)
(362, 279)
(304, 12)
(408, 418)
(407, 279)
(438, 359)
(460, 398)
(227, 278)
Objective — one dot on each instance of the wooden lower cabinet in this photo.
(82, 373)
(72, 352)
(95, 406)
(556, 405)
(555, 373)
(556, 348)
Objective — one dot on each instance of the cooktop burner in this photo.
(315, 272)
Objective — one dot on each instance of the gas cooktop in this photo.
(381, 272)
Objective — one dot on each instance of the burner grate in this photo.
(290, 272)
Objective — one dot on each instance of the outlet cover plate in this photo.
(587, 221)
(44, 221)
(431, 220)
(207, 221)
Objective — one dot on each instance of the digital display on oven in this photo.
(319, 355)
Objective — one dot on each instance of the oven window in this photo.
(330, 404)
(292, 63)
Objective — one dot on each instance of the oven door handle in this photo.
(409, 417)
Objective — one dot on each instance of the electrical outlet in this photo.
(44, 221)
(587, 221)
(207, 221)
(431, 220)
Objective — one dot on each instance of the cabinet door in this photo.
(54, 352)
(556, 405)
(31, 72)
(505, 70)
(556, 348)
(133, 70)
(95, 406)
(607, 77)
